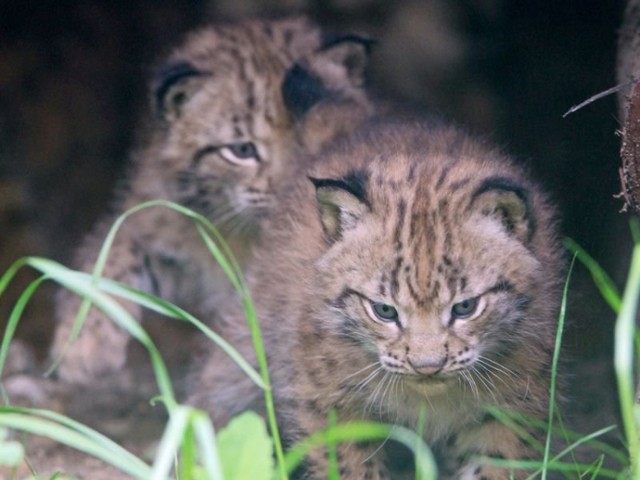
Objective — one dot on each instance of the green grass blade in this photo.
(605, 285)
(186, 425)
(236, 277)
(163, 307)
(334, 472)
(12, 324)
(566, 451)
(14, 319)
(517, 424)
(11, 272)
(534, 464)
(597, 467)
(624, 361)
(69, 279)
(170, 443)
(205, 436)
(366, 431)
(64, 430)
(554, 369)
(222, 253)
(261, 357)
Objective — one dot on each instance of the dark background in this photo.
(73, 86)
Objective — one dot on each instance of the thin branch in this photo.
(597, 96)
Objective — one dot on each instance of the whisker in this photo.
(506, 376)
(471, 382)
(498, 367)
(373, 399)
(362, 370)
(363, 383)
(488, 386)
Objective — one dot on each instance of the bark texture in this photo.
(628, 73)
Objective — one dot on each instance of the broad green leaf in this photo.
(245, 448)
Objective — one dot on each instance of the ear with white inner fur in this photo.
(508, 202)
(341, 204)
(173, 85)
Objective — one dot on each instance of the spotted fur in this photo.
(224, 133)
(412, 267)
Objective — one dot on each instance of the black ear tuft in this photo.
(508, 202)
(330, 40)
(335, 70)
(341, 203)
(351, 52)
(301, 90)
(167, 97)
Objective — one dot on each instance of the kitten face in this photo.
(434, 285)
(436, 323)
(236, 157)
(228, 132)
(229, 108)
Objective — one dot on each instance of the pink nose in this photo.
(428, 366)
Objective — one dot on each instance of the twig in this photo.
(597, 96)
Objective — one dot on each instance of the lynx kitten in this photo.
(411, 267)
(228, 105)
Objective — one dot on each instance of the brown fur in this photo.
(422, 218)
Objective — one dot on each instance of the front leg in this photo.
(492, 439)
(355, 461)
(101, 345)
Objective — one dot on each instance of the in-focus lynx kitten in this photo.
(414, 268)
(228, 105)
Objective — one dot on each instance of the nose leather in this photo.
(428, 367)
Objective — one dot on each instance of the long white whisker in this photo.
(373, 399)
(495, 370)
(498, 367)
(363, 383)
(362, 370)
(472, 383)
(486, 383)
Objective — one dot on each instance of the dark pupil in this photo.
(464, 308)
(243, 150)
(385, 311)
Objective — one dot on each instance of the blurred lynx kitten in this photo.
(228, 107)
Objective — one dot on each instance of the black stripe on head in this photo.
(505, 184)
(167, 77)
(355, 182)
(510, 201)
(330, 40)
(301, 90)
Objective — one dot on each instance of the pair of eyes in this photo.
(241, 153)
(459, 311)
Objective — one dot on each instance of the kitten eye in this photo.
(385, 312)
(242, 153)
(465, 308)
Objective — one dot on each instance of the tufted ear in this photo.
(336, 69)
(301, 90)
(341, 203)
(171, 88)
(508, 202)
(350, 53)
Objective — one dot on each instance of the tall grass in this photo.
(250, 449)
(189, 446)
